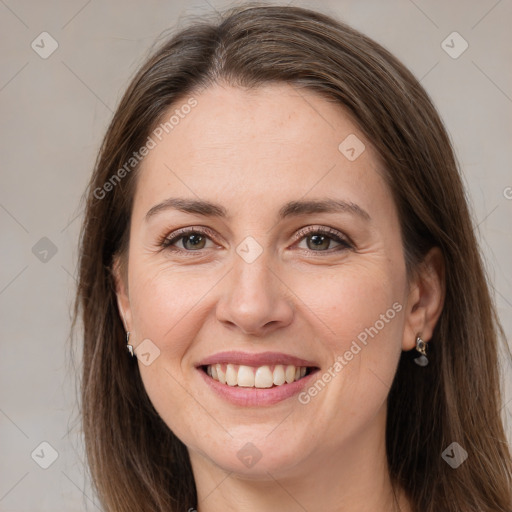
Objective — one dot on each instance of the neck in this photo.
(354, 477)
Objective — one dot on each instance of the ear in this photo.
(121, 284)
(426, 299)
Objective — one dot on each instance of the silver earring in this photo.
(421, 347)
(128, 346)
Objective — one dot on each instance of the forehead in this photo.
(276, 142)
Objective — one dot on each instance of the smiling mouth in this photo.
(261, 377)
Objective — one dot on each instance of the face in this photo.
(308, 302)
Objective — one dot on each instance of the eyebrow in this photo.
(290, 209)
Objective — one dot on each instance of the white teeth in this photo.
(245, 377)
(279, 375)
(221, 376)
(290, 374)
(263, 377)
(231, 375)
(251, 377)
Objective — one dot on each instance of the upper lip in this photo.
(261, 359)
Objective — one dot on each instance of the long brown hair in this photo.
(137, 464)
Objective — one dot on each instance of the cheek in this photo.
(165, 307)
(164, 304)
(348, 301)
(359, 319)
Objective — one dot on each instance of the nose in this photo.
(254, 298)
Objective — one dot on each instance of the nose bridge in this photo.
(252, 277)
(255, 299)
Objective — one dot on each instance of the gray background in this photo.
(54, 112)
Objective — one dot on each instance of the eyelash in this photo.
(167, 241)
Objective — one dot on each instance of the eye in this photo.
(191, 239)
(320, 239)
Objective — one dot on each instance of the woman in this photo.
(283, 302)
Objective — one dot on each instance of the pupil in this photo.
(320, 239)
(195, 239)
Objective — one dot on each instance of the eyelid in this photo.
(330, 232)
(176, 235)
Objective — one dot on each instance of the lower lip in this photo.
(254, 397)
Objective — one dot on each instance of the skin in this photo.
(252, 151)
